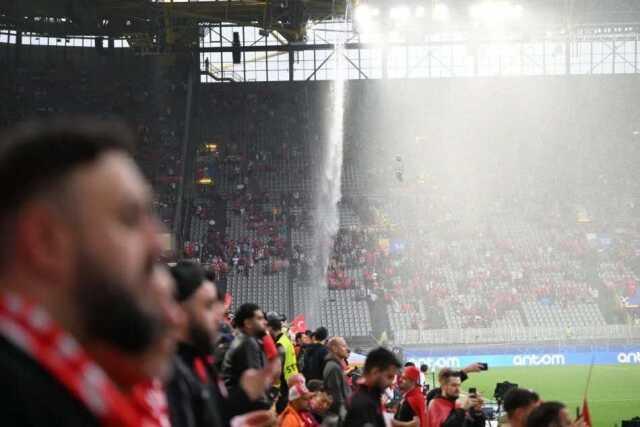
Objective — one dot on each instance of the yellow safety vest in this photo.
(290, 363)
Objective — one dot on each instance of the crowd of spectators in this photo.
(151, 98)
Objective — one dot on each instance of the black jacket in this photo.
(31, 397)
(335, 384)
(244, 353)
(188, 405)
(365, 409)
(190, 401)
(312, 364)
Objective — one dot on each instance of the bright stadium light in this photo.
(440, 12)
(496, 11)
(364, 16)
(420, 12)
(400, 13)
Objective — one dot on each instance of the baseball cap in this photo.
(411, 373)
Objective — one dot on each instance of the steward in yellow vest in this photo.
(287, 357)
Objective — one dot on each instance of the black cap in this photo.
(274, 320)
(519, 398)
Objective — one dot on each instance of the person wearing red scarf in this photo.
(414, 404)
(80, 310)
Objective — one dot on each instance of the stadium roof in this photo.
(119, 18)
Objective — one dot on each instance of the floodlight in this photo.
(440, 12)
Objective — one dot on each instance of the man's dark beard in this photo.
(112, 314)
(200, 339)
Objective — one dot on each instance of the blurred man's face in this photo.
(304, 403)
(257, 325)
(529, 409)
(116, 243)
(157, 361)
(306, 339)
(451, 388)
(340, 348)
(204, 311)
(519, 417)
(384, 378)
(406, 384)
(565, 418)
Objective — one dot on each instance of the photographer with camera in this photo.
(446, 410)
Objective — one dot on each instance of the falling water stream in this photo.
(329, 192)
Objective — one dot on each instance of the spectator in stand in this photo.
(246, 350)
(424, 378)
(444, 373)
(78, 243)
(195, 396)
(413, 410)
(552, 414)
(287, 354)
(297, 413)
(445, 410)
(518, 404)
(365, 409)
(334, 378)
(314, 355)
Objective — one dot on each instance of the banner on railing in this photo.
(559, 358)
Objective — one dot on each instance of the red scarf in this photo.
(28, 327)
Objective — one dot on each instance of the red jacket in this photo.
(439, 410)
(418, 403)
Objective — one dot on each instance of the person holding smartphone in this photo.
(447, 410)
(463, 374)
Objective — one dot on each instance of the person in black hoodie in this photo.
(195, 394)
(365, 407)
(315, 353)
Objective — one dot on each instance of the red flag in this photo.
(586, 416)
(298, 324)
(228, 299)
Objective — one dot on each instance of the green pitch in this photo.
(614, 394)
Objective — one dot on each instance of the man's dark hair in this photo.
(382, 359)
(406, 365)
(519, 398)
(36, 156)
(321, 334)
(308, 333)
(315, 386)
(189, 276)
(546, 415)
(424, 368)
(245, 312)
(299, 335)
(445, 374)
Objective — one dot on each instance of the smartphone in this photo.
(473, 390)
(484, 366)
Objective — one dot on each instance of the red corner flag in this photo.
(298, 324)
(586, 416)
